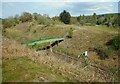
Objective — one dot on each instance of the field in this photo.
(24, 63)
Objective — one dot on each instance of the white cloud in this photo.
(93, 9)
(49, 5)
(56, 4)
(102, 7)
(64, 1)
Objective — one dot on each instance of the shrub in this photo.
(42, 19)
(70, 33)
(114, 43)
(102, 53)
(9, 22)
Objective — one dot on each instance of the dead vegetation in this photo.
(73, 71)
(65, 69)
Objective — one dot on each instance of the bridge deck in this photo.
(44, 40)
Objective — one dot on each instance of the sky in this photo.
(76, 8)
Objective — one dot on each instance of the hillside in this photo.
(26, 64)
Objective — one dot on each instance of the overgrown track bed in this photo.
(67, 57)
(75, 68)
(74, 60)
(81, 65)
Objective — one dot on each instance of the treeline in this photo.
(26, 17)
(110, 20)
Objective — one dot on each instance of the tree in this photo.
(83, 17)
(82, 20)
(65, 17)
(79, 18)
(94, 19)
(26, 17)
(45, 20)
(35, 15)
(100, 20)
(73, 20)
(9, 22)
(116, 21)
(16, 19)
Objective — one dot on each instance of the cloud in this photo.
(55, 8)
(60, 1)
(55, 4)
(100, 7)
(91, 7)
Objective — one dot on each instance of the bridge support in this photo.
(51, 49)
(50, 46)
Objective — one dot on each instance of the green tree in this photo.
(16, 19)
(82, 20)
(42, 19)
(83, 17)
(79, 18)
(65, 17)
(25, 17)
(116, 21)
(9, 22)
(35, 16)
(94, 19)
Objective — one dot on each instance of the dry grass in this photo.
(68, 70)
(21, 64)
(83, 39)
(86, 38)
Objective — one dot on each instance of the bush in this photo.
(42, 19)
(73, 20)
(70, 33)
(114, 43)
(9, 22)
(82, 22)
(102, 53)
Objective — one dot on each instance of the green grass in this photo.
(23, 69)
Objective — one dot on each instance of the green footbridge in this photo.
(43, 40)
